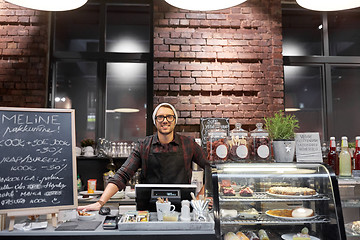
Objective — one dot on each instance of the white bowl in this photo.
(131, 194)
(87, 217)
(119, 194)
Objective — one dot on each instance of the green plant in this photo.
(281, 126)
(87, 142)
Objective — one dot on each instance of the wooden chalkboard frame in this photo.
(74, 201)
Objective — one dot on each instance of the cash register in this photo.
(147, 195)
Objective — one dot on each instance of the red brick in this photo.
(195, 15)
(205, 80)
(190, 55)
(185, 87)
(174, 87)
(192, 121)
(184, 80)
(162, 80)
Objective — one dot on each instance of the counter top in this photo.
(99, 233)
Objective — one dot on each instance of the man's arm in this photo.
(199, 155)
(118, 181)
(109, 191)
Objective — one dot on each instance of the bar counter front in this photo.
(78, 229)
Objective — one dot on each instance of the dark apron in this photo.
(166, 167)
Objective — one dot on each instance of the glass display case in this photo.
(281, 200)
(349, 189)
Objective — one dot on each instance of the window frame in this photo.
(326, 61)
(102, 58)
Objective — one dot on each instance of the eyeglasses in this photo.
(161, 118)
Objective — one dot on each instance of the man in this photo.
(164, 157)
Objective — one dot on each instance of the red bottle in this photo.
(357, 154)
(333, 157)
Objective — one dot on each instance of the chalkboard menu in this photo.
(37, 161)
(207, 124)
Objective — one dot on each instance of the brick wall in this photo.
(23, 56)
(225, 63)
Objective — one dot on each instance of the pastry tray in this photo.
(263, 197)
(154, 225)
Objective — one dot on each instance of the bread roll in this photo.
(242, 236)
(231, 236)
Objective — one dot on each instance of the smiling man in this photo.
(165, 157)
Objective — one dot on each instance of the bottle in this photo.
(333, 157)
(324, 151)
(357, 154)
(79, 184)
(344, 159)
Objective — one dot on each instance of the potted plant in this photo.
(281, 130)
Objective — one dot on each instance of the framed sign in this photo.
(37, 159)
(308, 147)
(207, 124)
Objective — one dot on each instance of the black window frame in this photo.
(102, 58)
(326, 61)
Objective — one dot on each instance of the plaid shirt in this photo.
(140, 155)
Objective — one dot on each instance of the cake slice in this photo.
(300, 236)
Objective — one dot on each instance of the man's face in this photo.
(165, 127)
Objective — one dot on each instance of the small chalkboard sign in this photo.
(37, 159)
(207, 124)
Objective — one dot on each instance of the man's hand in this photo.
(91, 207)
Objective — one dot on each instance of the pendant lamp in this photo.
(49, 5)
(204, 5)
(329, 5)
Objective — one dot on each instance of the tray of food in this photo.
(292, 192)
(292, 214)
(233, 214)
(304, 234)
(247, 235)
(353, 228)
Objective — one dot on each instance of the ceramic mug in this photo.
(88, 149)
(78, 151)
(162, 208)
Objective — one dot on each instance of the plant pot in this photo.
(284, 150)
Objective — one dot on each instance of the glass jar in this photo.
(238, 143)
(217, 148)
(259, 143)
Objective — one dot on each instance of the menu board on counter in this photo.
(308, 147)
(37, 160)
(206, 124)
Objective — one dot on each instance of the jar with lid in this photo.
(259, 143)
(238, 143)
(216, 146)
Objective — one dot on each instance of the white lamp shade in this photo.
(329, 5)
(49, 5)
(204, 5)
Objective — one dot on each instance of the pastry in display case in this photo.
(287, 201)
